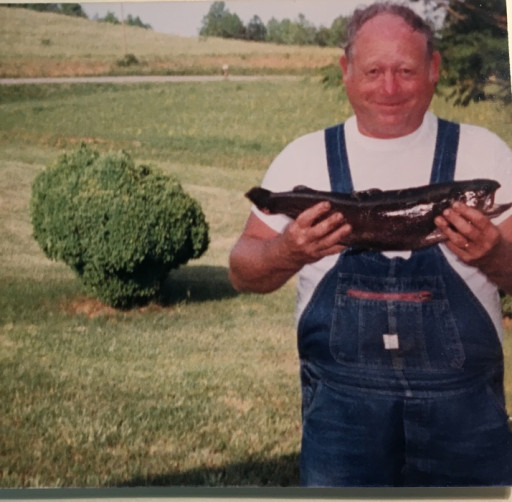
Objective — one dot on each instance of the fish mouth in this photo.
(496, 210)
(485, 203)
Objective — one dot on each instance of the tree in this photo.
(72, 9)
(300, 32)
(323, 36)
(110, 17)
(219, 22)
(275, 31)
(338, 32)
(473, 41)
(256, 30)
(68, 9)
(39, 7)
(136, 21)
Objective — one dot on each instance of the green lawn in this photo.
(203, 390)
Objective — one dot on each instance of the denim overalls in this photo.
(401, 366)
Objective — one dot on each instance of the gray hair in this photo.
(362, 15)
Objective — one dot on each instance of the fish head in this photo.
(478, 193)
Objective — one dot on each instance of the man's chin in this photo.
(392, 126)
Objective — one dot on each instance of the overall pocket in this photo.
(394, 323)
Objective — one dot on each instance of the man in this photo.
(399, 388)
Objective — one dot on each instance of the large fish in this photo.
(387, 220)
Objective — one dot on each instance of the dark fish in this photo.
(387, 220)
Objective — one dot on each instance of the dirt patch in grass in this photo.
(92, 308)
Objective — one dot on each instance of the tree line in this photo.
(220, 22)
(471, 36)
(75, 9)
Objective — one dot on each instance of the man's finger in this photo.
(471, 215)
(309, 216)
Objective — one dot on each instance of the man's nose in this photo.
(390, 84)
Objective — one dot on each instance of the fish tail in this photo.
(259, 196)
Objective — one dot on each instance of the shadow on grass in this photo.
(282, 471)
(196, 284)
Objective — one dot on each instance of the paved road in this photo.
(142, 79)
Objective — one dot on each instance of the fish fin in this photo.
(302, 189)
(364, 194)
(433, 237)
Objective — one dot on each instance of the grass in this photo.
(200, 392)
(219, 123)
(215, 124)
(44, 44)
(130, 400)
(204, 389)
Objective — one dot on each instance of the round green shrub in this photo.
(119, 226)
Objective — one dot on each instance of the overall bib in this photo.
(401, 366)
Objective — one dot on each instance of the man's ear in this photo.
(344, 65)
(435, 65)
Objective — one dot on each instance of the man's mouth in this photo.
(391, 105)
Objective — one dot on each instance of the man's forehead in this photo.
(386, 24)
(389, 28)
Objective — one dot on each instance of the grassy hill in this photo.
(45, 44)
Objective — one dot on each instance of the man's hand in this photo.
(471, 235)
(478, 242)
(263, 260)
(314, 235)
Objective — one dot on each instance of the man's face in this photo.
(389, 79)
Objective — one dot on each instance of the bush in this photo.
(128, 60)
(506, 305)
(331, 76)
(121, 228)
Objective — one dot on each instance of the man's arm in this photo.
(480, 243)
(263, 260)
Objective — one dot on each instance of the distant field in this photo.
(42, 44)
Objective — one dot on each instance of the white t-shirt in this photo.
(390, 164)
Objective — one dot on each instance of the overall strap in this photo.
(447, 143)
(443, 166)
(337, 159)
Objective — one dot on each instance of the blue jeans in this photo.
(402, 367)
(378, 437)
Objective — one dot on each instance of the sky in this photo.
(185, 17)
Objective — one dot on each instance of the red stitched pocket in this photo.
(410, 296)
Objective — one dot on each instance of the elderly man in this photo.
(398, 388)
